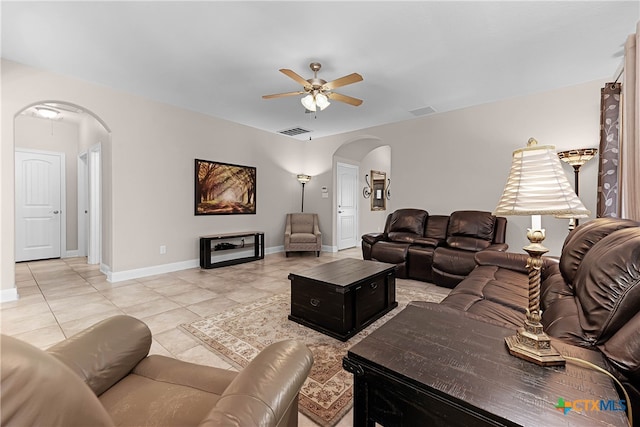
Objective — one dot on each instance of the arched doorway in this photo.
(45, 133)
(365, 153)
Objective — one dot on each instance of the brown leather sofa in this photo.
(104, 377)
(435, 248)
(590, 297)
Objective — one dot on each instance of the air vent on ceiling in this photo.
(294, 131)
(423, 111)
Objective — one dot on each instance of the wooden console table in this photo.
(430, 366)
(231, 248)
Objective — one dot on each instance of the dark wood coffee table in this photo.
(343, 297)
(435, 366)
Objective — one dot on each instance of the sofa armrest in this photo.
(266, 389)
(106, 352)
(511, 260)
(287, 233)
(502, 247)
(372, 238)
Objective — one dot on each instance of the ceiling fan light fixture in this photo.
(308, 102)
(47, 113)
(322, 101)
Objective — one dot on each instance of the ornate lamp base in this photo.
(534, 347)
(530, 342)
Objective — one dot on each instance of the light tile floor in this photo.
(63, 296)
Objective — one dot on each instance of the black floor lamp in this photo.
(303, 179)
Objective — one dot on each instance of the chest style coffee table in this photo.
(343, 297)
(433, 366)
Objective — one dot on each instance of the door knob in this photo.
(339, 211)
(55, 212)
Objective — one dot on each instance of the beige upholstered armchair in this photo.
(302, 233)
(104, 377)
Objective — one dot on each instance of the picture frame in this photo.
(224, 188)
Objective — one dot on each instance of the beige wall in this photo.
(378, 160)
(442, 162)
(461, 159)
(152, 152)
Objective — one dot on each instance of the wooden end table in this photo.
(434, 366)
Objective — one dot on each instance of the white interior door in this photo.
(83, 204)
(347, 195)
(38, 183)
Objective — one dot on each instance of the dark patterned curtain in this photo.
(609, 168)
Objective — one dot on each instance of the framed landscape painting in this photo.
(224, 189)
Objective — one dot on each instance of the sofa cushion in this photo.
(302, 223)
(304, 238)
(607, 284)
(407, 221)
(470, 230)
(582, 239)
(187, 392)
(437, 226)
(496, 293)
(623, 349)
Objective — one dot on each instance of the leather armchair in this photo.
(302, 233)
(104, 377)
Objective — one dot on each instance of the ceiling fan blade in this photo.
(281, 95)
(295, 76)
(344, 98)
(342, 81)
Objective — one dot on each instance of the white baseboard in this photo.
(71, 254)
(120, 276)
(10, 294)
(274, 250)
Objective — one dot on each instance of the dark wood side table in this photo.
(434, 366)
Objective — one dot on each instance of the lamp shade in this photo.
(537, 185)
(308, 102)
(322, 101)
(577, 156)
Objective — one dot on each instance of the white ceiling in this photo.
(219, 58)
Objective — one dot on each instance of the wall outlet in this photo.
(163, 249)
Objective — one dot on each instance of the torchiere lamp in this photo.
(536, 186)
(576, 158)
(303, 179)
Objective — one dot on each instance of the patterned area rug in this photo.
(239, 334)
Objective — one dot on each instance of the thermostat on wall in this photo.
(325, 193)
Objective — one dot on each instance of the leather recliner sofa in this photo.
(590, 297)
(435, 248)
(104, 377)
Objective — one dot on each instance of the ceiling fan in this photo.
(319, 91)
